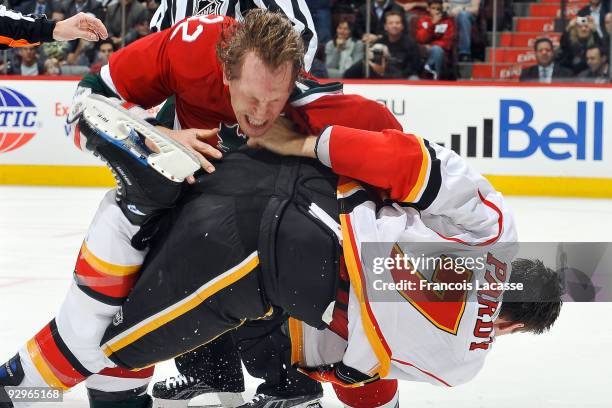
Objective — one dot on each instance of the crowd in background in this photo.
(78, 57)
(408, 39)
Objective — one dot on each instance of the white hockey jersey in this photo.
(444, 227)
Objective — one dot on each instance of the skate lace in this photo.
(113, 172)
(175, 382)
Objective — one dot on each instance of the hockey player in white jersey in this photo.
(402, 323)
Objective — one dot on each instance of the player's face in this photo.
(259, 95)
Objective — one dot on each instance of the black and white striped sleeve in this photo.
(171, 11)
(297, 11)
(17, 30)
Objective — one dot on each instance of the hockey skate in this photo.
(147, 180)
(269, 401)
(176, 392)
(11, 375)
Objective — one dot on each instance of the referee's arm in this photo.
(17, 30)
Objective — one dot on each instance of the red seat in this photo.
(535, 24)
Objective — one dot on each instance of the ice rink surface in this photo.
(41, 230)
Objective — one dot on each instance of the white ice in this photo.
(41, 230)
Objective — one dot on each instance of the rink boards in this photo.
(528, 140)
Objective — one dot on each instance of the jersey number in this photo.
(443, 308)
(184, 27)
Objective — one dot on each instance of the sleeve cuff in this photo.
(47, 30)
(322, 146)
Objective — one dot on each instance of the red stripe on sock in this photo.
(108, 285)
(57, 362)
(125, 373)
(370, 395)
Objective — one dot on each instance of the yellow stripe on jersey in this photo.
(180, 308)
(347, 187)
(296, 335)
(42, 367)
(105, 267)
(417, 190)
(351, 259)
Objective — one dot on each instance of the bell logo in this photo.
(555, 138)
(17, 119)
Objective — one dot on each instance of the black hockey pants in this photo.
(241, 242)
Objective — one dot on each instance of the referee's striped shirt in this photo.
(17, 30)
(171, 11)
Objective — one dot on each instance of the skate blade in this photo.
(225, 400)
(172, 160)
(159, 403)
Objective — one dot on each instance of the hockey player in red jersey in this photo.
(64, 352)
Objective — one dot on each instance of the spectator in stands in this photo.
(435, 32)
(51, 67)
(27, 62)
(546, 71)
(57, 49)
(78, 59)
(36, 7)
(134, 12)
(597, 10)
(597, 59)
(81, 53)
(318, 68)
(343, 51)
(321, 16)
(378, 56)
(414, 9)
(579, 36)
(74, 7)
(140, 29)
(608, 29)
(152, 6)
(58, 14)
(398, 59)
(377, 14)
(105, 50)
(464, 12)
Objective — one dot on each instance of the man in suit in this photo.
(377, 11)
(546, 71)
(597, 72)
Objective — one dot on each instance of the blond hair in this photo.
(269, 35)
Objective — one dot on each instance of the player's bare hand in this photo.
(283, 139)
(81, 25)
(195, 140)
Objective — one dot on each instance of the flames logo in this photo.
(18, 119)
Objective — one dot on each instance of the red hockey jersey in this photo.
(182, 61)
(179, 61)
